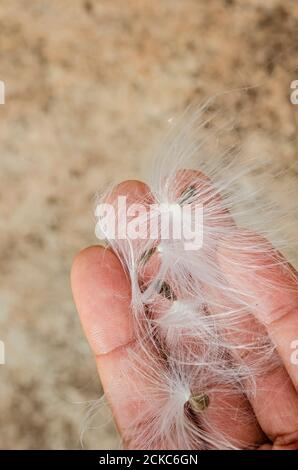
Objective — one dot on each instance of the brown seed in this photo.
(147, 255)
(167, 291)
(199, 402)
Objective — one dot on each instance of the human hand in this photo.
(101, 291)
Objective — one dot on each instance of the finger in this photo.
(273, 397)
(102, 295)
(275, 402)
(131, 200)
(269, 284)
(135, 191)
(231, 418)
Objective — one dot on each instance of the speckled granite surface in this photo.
(89, 85)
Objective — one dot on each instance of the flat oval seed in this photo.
(147, 255)
(199, 402)
(167, 291)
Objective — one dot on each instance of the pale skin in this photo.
(101, 292)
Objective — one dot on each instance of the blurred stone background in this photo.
(90, 85)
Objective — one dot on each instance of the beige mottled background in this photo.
(90, 85)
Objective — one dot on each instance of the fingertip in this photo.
(82, 258)
(134, 190)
